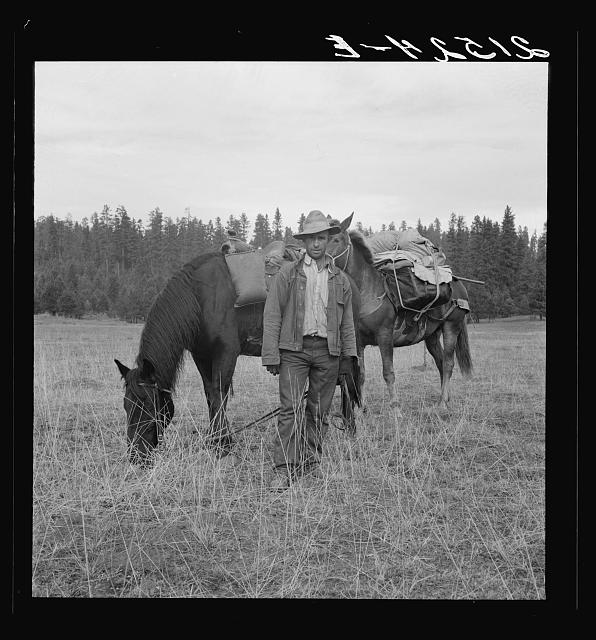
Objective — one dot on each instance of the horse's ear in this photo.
(147, 370)
(122, 368)
(346, 223)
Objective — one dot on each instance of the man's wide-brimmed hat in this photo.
(315, 222)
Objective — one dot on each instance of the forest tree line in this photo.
(113, 264)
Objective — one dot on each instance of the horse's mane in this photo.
(172, 324)
(359, 242)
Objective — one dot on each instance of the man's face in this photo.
(316, 244)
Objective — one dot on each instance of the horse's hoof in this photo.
(351, 451)
(230, 461)
(395, 408)
(350, 430)
(443, 408)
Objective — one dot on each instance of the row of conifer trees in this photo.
(113, 264)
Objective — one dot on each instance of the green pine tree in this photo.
(277, 226)
(507, 250)
(244, 227)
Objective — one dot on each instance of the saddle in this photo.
(276, 254)
(234, 244)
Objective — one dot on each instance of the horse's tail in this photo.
(462, 352)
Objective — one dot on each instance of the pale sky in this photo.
(390, 141)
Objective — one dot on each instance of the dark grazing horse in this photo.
(378, 316)
(195, 312)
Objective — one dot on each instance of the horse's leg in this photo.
(217, 376)
(222, 373)
(449, 342)
(204, 367)
(385, 342)
(435, 349)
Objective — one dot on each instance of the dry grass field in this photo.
(425, 507)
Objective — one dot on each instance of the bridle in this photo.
(347, 250)
(154, 385)
(158, 421)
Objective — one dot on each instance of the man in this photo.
(307, 326)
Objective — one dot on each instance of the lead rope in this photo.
(271, 414)
(339, 255)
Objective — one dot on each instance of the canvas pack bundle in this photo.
(414, 292)
(252, 272)
(383, 241)
(415, 269)
(247, 270)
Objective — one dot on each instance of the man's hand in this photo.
(346, 365)
(273, 369)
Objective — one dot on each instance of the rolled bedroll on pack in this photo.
(386, 245)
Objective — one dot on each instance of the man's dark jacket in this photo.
(283, 317)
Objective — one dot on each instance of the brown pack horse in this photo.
(195, 312)
(378, 316)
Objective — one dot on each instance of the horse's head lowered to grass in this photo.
(149, 409)
(171, 326)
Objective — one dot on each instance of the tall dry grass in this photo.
(427, 506)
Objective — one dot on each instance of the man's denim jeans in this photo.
(300, 431)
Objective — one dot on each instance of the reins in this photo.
(271, 414)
